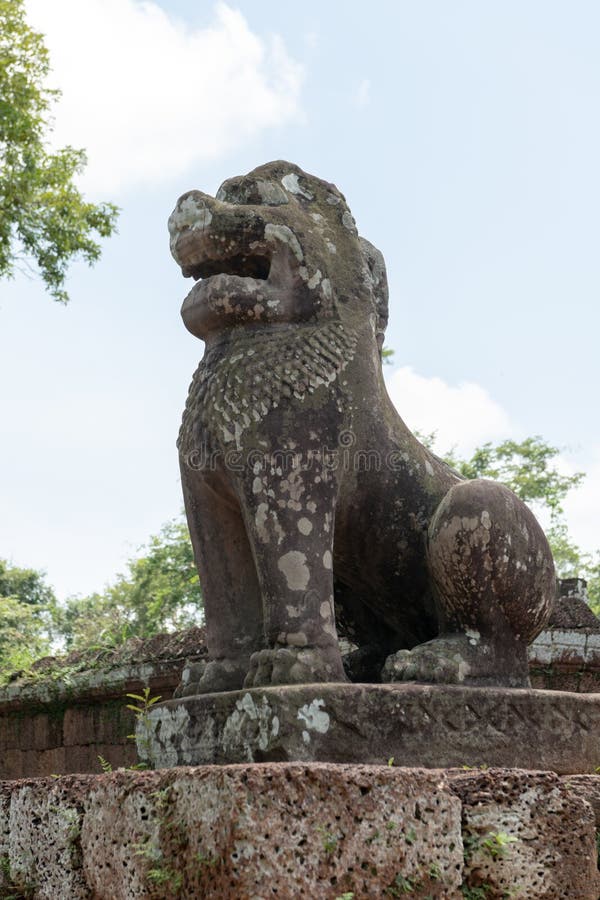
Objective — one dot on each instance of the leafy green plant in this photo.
(158, 592)
(496, 844)
(166, 876)
(435, 872)
(9, 890)
(330, 841)
(143, 734)
(105, 765)
(401, 886)
(481, 892)
(45, 218)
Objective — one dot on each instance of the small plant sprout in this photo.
(496, 844)
(105, 765)
(401, 886)
(143, 735)
(410, 836)
(330, 841)
(435, 872)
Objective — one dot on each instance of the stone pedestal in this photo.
(432, 726)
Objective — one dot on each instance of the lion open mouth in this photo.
(257, 267)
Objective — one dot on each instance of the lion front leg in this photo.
(289, 520)
(230, 589)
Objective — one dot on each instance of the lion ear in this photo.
(376, 266)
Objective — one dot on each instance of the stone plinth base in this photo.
(433, 726)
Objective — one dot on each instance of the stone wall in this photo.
(68, 712)
(300, 830)
(566, 655)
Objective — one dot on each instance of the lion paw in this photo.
(212, 677)
(293, 665)
(459, 659)
(445, 660)
(425, 665)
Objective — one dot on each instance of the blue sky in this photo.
(466, 138)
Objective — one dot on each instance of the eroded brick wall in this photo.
(67, 713)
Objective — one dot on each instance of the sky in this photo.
(465, 137)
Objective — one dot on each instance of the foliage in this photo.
(160, 592)
(27, 613)
(143, 735)
(22, 639)
(43, 216)
(401, 886)
(26, 585)
(105, 765)
(527, 467)
(496, 844)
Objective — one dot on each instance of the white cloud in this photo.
(462, 416)
(363, 94)
(148, 96)
(465, 416)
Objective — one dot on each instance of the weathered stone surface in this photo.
(526, 835)
(571, 610)
(587, 787)
(260, 831)
(257, 831)
(310, 504)
(44, 851)
(418, 725)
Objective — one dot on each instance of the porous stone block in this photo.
(418, 725)
(526, 835)
(258, 831)
(44, 850)
(297, 830)
(588, 788)
(5, 798)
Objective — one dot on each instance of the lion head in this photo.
(275, 246)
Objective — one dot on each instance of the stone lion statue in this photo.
(313, 510)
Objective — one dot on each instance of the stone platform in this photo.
(300, 830)
(432, 726)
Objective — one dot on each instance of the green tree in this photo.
(159, 592)
(27, 617)
(28, 586)
(529, 468)
(43, 216)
